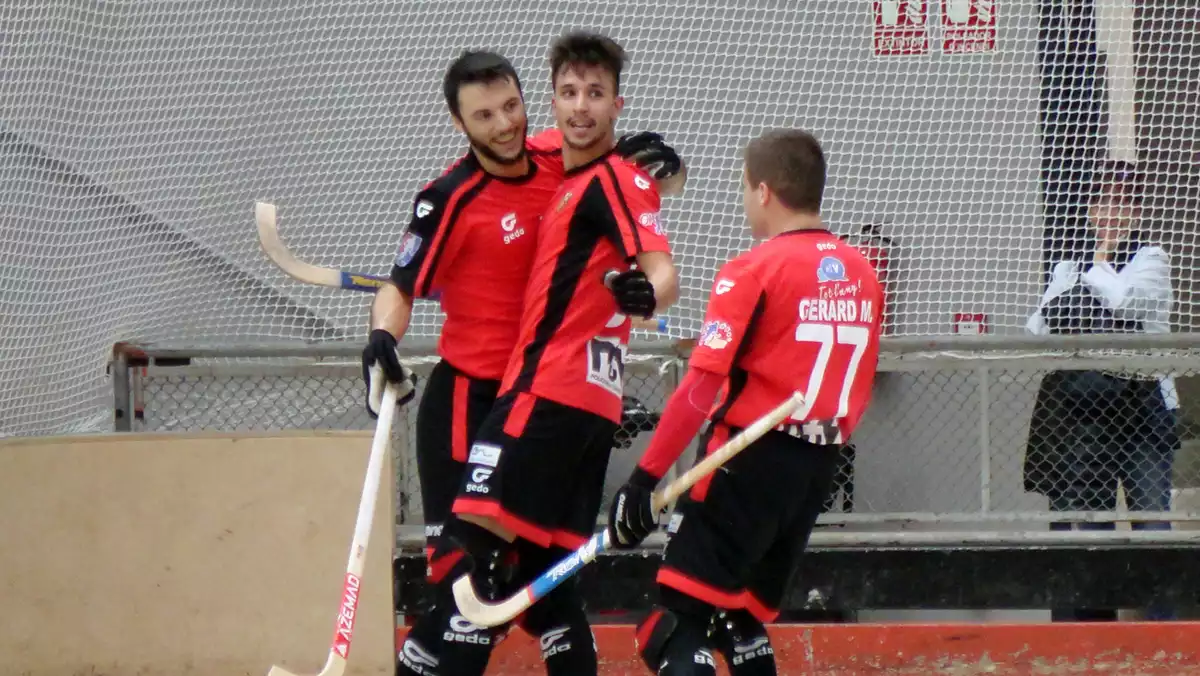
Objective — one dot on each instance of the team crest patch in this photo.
(715, 335)
(651, 220)
(831, 269)
(563, 202)
(409, 245)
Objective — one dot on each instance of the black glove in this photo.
(635, 419)
(651, 153)
(382, 365)
(631, 517)
(634, 293)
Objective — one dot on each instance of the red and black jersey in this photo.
(800, 312)
(471, 244)
(572, 343)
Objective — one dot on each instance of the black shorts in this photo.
(736, 537)
(537, 468)
(452, 408)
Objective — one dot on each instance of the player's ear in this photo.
(764, 194)
(458, 123)
(619, 103)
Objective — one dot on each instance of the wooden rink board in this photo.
(205, 555)
(1126, 649)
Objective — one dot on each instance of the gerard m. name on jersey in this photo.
(842, 310)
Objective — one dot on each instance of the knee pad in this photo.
(488, 559)
(744, 642)
(675, 644)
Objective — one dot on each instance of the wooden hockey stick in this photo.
(268, 238)
(343, 631)
(484, 614)
(277, 251)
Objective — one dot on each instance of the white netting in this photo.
(135, 137)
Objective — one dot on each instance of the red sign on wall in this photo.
(901, 27)
(968, 26)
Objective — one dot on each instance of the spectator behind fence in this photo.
(1093, 430)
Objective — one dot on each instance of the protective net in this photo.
(135, 138)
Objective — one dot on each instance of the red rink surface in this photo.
(1128, 649)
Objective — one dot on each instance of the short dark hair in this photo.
(582, 49)
(792, 164)
(1119, 179)
(475, 67)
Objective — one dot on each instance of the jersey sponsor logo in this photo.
(478, 483)
(552, 645)
(723, 286)
(744, 652)
(417, 658)
(461, 630)
(410, 244)
(484, 454)
(641, 182)
(831, 269)
(651, 220)
(826, 246)
(509, 225)
(606, 364)
(424, 208)
(715, 335)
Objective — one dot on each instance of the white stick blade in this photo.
(280, 671)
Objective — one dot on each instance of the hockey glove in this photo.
(650, 153)
(382, 365)
(635, 419)
(634, 293)
(631, 517)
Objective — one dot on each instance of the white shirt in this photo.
(1140, 292)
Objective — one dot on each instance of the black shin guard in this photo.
(674, 641)
(558, 620)
(465, 647)
(744, 643)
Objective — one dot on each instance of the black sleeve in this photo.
(423, 241)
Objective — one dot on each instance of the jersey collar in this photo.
(473, 161)
(588, 165)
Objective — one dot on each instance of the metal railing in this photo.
(944, 455)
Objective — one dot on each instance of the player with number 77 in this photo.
(800, 312)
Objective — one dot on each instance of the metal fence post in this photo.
(119, 370)
(985, 442)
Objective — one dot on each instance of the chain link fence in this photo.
(1004, 434)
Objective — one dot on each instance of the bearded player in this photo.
(535, 476)
(800, 312)
(470, 242)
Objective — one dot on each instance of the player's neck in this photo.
(793, 222)
(577, 157)
(510, 170)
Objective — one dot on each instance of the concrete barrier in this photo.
(206, 555)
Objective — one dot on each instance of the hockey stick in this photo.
(343, 632)
(484, 614)
(277, 251)
(268, 238)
